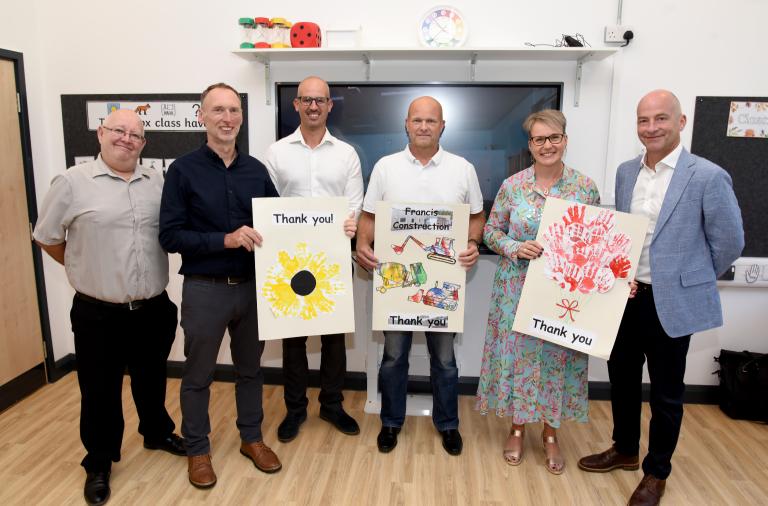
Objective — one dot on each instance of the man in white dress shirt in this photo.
(313, 163)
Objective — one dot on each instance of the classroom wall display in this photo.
(303, 267)
(419, 283)
(170, 125)
(744, 157)
(575, 293)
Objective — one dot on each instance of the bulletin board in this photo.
(170, 126)
(745, 159)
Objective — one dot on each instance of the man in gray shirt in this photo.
(100, 220)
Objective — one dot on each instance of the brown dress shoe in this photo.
(201, 472)
(608, 460)
(263, 458)
(649, 492)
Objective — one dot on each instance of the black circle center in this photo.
(303, 283)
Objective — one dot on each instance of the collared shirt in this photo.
(110, 226)
(203, 200)
(446, 178)
(330, 169)
(647, 199)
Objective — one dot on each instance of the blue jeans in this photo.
(443, 373)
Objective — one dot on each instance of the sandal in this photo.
(513, 453)
(555, 465)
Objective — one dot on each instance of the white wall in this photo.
(694, 47)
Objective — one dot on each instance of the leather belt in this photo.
(130, 306)
(642, 287)
(227, 280)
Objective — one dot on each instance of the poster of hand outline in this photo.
(303, 268)
(419, 283)
(575, 293)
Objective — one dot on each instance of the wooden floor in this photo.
(718, 460)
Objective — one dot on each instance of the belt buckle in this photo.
(133, 305)
(231, 282)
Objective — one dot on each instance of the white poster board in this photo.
(575, 293)
(419, 283)
(303, 268)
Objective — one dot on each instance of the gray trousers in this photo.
(207, 308)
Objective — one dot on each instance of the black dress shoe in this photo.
(96, 489)
(387, 439)
(289, 427)
(340, 419)
(172, 444)
(452, 441)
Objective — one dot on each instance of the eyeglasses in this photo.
(119, 132)
(307, 101)
(539, 140)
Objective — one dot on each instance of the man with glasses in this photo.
(99, 220)
(206, 216)
(422, 172)
(313, 163)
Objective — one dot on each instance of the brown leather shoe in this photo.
(608, 460)
(201, 472)
(263, 458)
(648, 492)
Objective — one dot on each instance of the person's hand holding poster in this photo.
(575, 293)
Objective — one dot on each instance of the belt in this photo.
(130, 306)
(641, 287)
(227, 280)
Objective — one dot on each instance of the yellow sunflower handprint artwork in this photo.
(302, 284)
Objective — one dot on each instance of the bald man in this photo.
(100, 220)
(695, 234)
(422, 172)
(313, 163)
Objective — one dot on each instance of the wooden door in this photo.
(21, 341)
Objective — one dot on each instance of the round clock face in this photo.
(442, 27)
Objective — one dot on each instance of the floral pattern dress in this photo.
(521, 376)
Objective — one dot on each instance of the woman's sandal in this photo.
(555, 465)
(513, 453)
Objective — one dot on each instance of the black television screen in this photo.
(483, 121)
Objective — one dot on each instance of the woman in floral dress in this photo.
(523, 377)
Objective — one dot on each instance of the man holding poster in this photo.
(313, 163)
(205, 214)
(695, 233)
(422, 172)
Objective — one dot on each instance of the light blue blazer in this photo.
(699, 233)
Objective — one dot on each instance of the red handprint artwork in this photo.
(586, 255)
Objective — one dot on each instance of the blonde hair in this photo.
(550, 117)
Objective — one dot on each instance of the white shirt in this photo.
(446, 179)
(331, 169)
(647, 198)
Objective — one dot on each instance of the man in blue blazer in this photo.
(695, 233)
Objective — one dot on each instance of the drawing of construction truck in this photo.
(397, 275)
(442, 250)
(446, 297)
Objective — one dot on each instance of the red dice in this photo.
(305, 34)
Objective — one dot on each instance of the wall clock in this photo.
(442, 26)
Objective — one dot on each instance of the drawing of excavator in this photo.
(442, 250)
(397, 275)
(446, 297)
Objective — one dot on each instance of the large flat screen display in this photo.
(483, 122)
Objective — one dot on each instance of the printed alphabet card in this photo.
(419, 283)
(575, 293)
(303, 268)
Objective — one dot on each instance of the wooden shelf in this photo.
(471, 56)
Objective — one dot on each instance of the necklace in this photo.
(545, 190)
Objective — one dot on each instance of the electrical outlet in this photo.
(615, 33)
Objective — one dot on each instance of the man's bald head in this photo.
(659, 122)
(313, 83)
(425, 102)
(125, 117)
(424, 125)
(121, 137)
